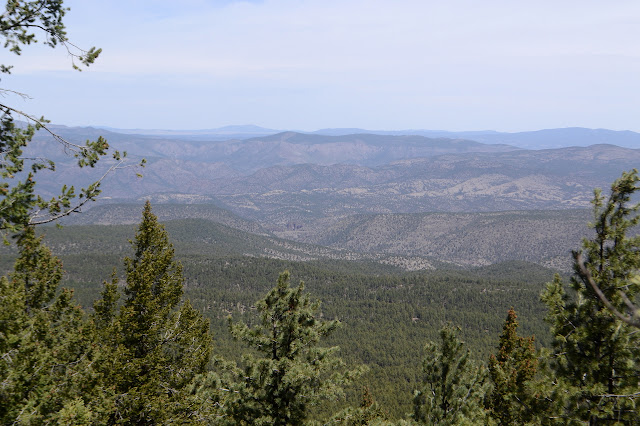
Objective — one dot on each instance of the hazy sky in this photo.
(309, 64)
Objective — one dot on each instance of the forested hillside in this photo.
(545, 237)
(387, 314)
(410, 241)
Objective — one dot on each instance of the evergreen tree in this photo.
(157, 345)
(368, 413)
(291, 372)
(596, 355)
(453, 388)
(511, 371)
(46, 345)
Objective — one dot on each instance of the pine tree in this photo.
(368, 413)
(454, 388)
(46, 345)
(157, 345)
(511, 371)
(291, 373)
(596, 355)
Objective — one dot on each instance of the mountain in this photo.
(300, 195)
(248, 154)
(473, 182)
(307, 187)
(361, 149)
(557, 138)
(342, 131)
(251, 154)
(540, 139)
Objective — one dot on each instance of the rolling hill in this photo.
(408, 241)
(468, 239)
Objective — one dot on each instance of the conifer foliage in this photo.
(511, 371)
(368, 413)
(45, 343)
(291, 373)
(157, 345)
(596, 359)
(453, 387)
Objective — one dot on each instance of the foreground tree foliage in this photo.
(613, 221)
(155, 345)
(512, 370)
(596, 354)
(453, 386)
(290, 373)
(46, 345)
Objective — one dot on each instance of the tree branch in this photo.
(42, 124)
(633, 319)
(22, 95)
(77, 207)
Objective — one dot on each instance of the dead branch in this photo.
(633, 319)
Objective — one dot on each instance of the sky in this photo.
(311, 64)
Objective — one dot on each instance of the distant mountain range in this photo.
(282, 149)
(539, 139)
(301, 178)
(378, 194)
(304, 201)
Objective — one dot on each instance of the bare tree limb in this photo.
(43, 124)
(3, 93)
(633, 319)
(631, 395)
(76, 208)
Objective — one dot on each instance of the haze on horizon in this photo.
(311, 64)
